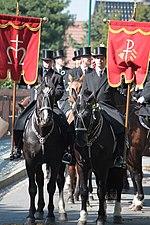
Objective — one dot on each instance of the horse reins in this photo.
(41, 139)
(95, 134)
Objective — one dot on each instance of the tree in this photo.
(99, 30)
(143, 13)
(53, 32)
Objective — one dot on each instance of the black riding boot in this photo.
(69, 156)
(18, 140)
(118, 159)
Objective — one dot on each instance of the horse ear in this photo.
(95, 93)
(70, 78)
(74, 93)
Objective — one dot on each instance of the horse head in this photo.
(45, 102)
(87, 118)
(74, 90)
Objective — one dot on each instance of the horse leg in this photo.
(47, 171)
(120, 173)
(32, 192)
(40, 183)
(91, 198)
(137, 203)
(83, 175)
(51, 187)
(126, 185)
(101, 179)
(117, 218)
(136, 175)
(60, 184)
(77, 187)
(71, 171)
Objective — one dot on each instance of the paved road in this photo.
(14, 203)
(14, 199)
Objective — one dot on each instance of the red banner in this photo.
(128, 52)
(19, 47)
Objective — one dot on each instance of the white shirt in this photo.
(84, 69)
(99, 71)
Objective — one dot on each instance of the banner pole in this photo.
(14, 103)
(126, 125)
(127, 105)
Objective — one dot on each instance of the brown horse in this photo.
(74, 191)
(138, 146)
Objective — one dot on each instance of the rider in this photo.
(57, 80)
(97, 81)
(85, 61)
(142, 96)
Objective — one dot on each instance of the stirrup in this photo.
(67, 158)
(119, 162)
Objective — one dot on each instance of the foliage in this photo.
(99, 30)
(143, 13)
(53, 32)
(6, 83)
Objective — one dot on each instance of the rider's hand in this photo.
(141, 100)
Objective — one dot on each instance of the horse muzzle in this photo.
(81, 138)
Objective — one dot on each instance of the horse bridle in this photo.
(41, 139)
(97, 130)
(95, 133)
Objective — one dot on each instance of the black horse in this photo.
(43, 143)
(95, 144)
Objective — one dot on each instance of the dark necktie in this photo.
(100, 73)
(44, 72)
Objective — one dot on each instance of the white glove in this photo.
(141, 100)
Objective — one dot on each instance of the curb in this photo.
(13, 177)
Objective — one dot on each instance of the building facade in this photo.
(125, 7)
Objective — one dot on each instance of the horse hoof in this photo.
(117, 219)
(91, 198)
(81, 223)
(100, 222)
(136, 208)
(62, 217)
(30, 221)
(39, 215)
(50, 221)
(70, 200)
(11, 156)
(76, 198)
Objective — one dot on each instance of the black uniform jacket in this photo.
(145, 108)
(105, 97)
(57, 80)
(76, 73)
(64, 73)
